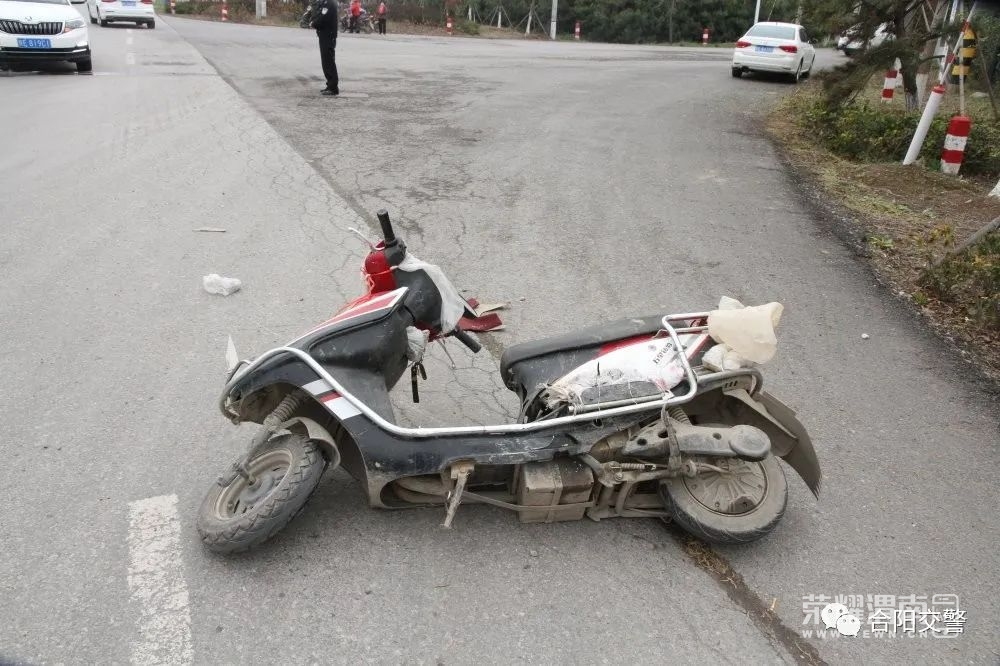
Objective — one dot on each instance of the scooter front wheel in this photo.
(740, 503)
(251, 508)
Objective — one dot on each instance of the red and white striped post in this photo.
(225, 11)
(173, 6)
(889, 86)
(704, 37)
(448, 25)
(954, 144)
(576, 31)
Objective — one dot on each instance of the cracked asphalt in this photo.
(577, 182)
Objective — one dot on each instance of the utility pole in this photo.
(555, 13)
(670, 29)
(756, 14)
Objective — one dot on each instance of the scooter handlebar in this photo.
(467, 340)
(383, 220)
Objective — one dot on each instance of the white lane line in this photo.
(156, 583)
(129, 58)
(129, 40)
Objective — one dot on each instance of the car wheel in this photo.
(104, 23)
(151, 25)
(737, 73)
(797, 76)
(92, 19)
(85, 66)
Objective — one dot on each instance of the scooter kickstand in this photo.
(460, 472)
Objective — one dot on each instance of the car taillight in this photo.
(147, 2)
(789, 48)
(107, 0)
(742, 44)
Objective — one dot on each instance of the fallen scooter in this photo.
(617, 420)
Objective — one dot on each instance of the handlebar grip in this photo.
(467, 340)
(383, 219)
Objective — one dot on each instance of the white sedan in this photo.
(131, 11)
(782, 48)
(39, 31)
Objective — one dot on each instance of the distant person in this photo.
(355, 15)
(381, 13)
(325, 22)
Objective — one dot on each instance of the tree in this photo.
(911, 38)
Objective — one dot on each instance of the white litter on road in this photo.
(156, 583)
(223, 286)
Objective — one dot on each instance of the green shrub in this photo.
(871, 134)
(467, 26)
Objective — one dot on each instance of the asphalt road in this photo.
(577, 182)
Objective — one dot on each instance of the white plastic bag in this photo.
(746, 331)
(452, 303)
(223, 286)
(721, 357)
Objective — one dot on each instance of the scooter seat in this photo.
(580, 340)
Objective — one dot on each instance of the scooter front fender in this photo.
(789, 439)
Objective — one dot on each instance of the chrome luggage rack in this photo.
(580, 413)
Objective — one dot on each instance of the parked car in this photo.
(782, 48)
(139, 12)
(41, 31)
(850, 44)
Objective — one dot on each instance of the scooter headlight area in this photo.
(649, 417)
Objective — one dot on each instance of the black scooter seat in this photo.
(584, 338)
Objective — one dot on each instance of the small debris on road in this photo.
(223, 286)
(533, 553)
(865, 336)
(214, 230)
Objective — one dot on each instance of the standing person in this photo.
(325, 22)
(355, 13)
(381, 13)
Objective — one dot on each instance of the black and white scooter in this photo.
(617, 420)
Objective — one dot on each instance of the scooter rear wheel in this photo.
(240, 515)
(741, 504)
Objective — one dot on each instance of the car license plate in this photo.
(34, 43)
(763, 49)
(128, 3)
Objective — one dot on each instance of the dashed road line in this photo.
(156, 583)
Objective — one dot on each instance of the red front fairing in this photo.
(377, 275)
(377, 272)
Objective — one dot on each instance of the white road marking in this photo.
(129, 39)
(129, 58)
(156, 583)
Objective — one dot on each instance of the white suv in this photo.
(131, 11)
(35, 31)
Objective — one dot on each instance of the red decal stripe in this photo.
(332, 395)
(618, 344)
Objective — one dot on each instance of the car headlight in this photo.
(73, 24)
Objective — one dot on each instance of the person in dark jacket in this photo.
(325, 22)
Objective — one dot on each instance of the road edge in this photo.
(834, 218)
